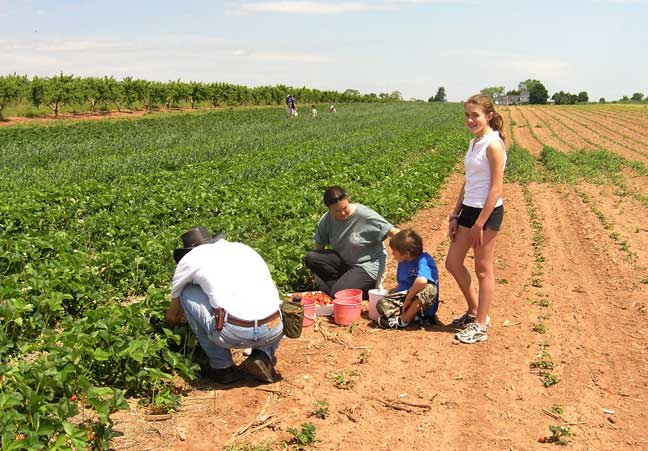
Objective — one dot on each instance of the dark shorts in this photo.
(469, 215)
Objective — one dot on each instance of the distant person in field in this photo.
(225, 291)
(313, 110)
(355, 235)
(417, 294)
(332, 109)
(477, 216)
(291, 105)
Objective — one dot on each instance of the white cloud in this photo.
(239, 52)
(321, 8)
(308, 7)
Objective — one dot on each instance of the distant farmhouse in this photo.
(515, 99)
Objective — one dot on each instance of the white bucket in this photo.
(374, 296)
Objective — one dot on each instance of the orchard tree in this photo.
(59, 90)
(176, 92)
(89, 90)
(396, 95)
(440, 95)
(12, 88)
(37, 90)
(113, 91)
(130, 90)
(637, 97)
(197, 93)
(493, 91)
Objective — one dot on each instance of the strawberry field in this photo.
(90, 214)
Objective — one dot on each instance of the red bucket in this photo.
(346, 311)
(349, 293)
(309, 311)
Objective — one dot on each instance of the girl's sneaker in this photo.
(472, 334)
(462, 321)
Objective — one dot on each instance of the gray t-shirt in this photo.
(358, 239)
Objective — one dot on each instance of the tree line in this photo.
(539, 95)
(108, 93)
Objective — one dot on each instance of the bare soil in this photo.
(596, 137)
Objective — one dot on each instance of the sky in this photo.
(410, 46)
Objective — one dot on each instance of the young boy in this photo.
(418, 281)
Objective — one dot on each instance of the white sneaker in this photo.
(461, 322)
(472, 334)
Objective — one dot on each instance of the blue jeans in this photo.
(217, 345)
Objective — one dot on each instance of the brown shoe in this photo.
(259, 366)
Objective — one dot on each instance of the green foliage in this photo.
(306, 436)
(12, 88)
(92, 92)
(320, 409)
(440, 95)
(539, 327)
(345, 380)
(557, 409)
(549, 379)
(558, 435)
(541, 302)
(538, 94)
(593, 166)
(543, 361)
(492, 91)
(521, 166)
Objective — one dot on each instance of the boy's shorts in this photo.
(391, 304)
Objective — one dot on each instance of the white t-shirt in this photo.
(478, 174)
(234, 277)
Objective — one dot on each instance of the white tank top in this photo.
(478, 172)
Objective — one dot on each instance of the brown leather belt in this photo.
(243, 323)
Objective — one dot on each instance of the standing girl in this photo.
(477, 216)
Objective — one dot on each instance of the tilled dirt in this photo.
(596, 137)
(572, 281)
(522, 132)
(633, 132)
(567, 138)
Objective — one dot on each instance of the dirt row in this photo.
(595, 136)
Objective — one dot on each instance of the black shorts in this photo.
(469, 215)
